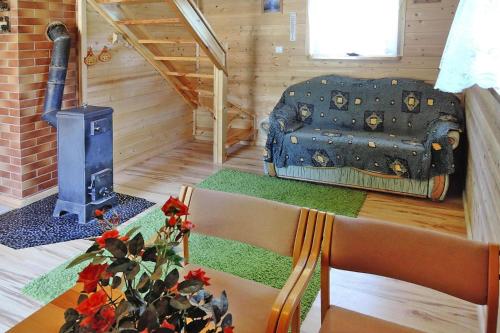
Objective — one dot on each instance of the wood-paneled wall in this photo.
(258, 76)
(149, 114)
(482, 192)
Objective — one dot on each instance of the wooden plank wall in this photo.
(482, 191)
(258, 76)
(149, 114)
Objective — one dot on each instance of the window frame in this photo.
(400, 46)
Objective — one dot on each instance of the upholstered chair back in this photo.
(262, 223)
(459, 267)
(446, 263)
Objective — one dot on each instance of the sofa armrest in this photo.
(454, 138)
(284, 118)
(443, 132)
(265, 125)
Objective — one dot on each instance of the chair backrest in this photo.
(262, 223)
(456, 266)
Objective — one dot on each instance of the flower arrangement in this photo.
(130, 286)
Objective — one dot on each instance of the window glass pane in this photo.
(364, 27)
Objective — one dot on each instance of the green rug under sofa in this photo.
(239, 259)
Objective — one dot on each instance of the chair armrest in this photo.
(299, 266)
(293, 300)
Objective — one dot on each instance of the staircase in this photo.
(174, 37)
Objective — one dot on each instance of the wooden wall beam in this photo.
(220, 116)
(81, 22)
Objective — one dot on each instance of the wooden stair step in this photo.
(166, 41)
(237, 135)
(149, 21)
(199, 91)
(189, 59)
(194, 75)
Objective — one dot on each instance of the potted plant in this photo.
(132, 286)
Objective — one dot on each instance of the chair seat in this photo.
(339, 320)
(250, 302)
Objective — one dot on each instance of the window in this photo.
(341, 29)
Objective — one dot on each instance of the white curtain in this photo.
(472, 52)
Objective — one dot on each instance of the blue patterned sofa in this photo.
(394, 135)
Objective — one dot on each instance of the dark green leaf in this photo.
(149, 319)
(122, 309)
(195, 312)
(82, 298)
(116, 282)
(116, 247)
(119, 265)
(157, 274)
(136, 245)
(171, 279)
(224, 304)
(104, 282)
(189, 287)
(227, 321)
(217, 313)
(162, 307)
(70, 315)
(144, 283)
(136, 300)
(68, 327)
(150, 254)
(132, 270)
(81, 258)
(93, 248)
(180, 303)
(196, 326)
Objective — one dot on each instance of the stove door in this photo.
(101, 185)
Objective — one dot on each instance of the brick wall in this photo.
(28, 161)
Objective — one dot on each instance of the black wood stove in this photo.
(84, 140)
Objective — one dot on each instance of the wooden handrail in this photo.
(194, 20)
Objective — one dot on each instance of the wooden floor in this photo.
(162, 175)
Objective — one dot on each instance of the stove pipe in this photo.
(58, 33)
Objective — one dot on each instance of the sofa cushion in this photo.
(378, 152)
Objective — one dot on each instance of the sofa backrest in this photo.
(391, 105)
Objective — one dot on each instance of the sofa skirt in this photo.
(434, 188)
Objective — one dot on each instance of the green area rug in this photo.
(239, 259)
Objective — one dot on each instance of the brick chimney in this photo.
(28, 156)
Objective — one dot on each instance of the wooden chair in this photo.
(284, 229)
(465, 269)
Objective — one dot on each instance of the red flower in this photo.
(91, 305)
(166, 324)
(174, 205)
(109, 234)
(187, 225)
(99, 214)
(198, 274)
(91, 275)
(172, 220)
(228, 329)
(102, 321)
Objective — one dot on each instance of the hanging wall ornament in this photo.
(105, 55)
(90, 59)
